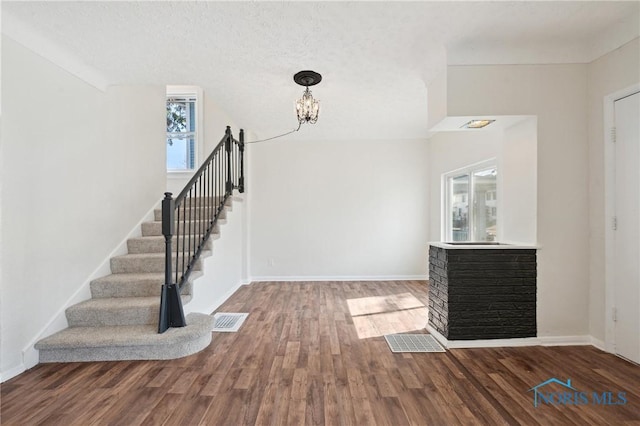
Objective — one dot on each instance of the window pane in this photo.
(177, 116)
(459, 187)
(180, 153)
(484, 211)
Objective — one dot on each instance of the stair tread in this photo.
(160, 238)
(126, 277)
(139, 256)
(220, 220)
(154, 238)
(131, 277)
(127, 335)
(148, 238)
(159, 223)
(142, 256)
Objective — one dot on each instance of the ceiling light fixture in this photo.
(477, 124)
(307, 108)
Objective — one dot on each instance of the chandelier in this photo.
(307, 108)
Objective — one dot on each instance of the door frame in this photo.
(609, 210)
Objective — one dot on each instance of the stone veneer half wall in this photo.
(482, 293)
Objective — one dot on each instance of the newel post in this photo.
(171, 312)
(227, 148)
(241, 148)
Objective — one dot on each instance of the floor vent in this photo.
(228, 322)
(413, 343)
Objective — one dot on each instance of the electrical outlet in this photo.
(270, 262)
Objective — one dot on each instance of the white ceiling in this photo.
(374, 57)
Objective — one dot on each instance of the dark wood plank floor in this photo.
(312, 353)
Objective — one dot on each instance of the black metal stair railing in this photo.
(189, 219)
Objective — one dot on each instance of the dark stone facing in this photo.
(482, 293)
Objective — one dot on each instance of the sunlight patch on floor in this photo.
(379, 304)
(379, 315)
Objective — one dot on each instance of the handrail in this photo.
(192, 216)
(197, 174)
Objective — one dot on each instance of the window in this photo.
(471, 203)
(183, 128)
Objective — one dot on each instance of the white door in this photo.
(627, 234)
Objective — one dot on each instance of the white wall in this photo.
(225, 270)
(557, 95)
(518, 175)
(608, 74)
(80, 167)
(338, 209)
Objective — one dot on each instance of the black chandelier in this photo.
(307, 108)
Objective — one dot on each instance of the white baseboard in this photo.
(599, 344)
(12, 372)
(30, 356)
(439, 337)
(482, 343)
(303, 278)
(494, 343)
(527, 341)
(565, 340)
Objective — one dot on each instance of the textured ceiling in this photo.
(374, 57)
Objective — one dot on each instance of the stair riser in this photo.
(124, 265)
(151, 229)
(122, 353)
(83, 316)
(205, 201)
(192, 214)
(142, 245)
(100, 318)
(131, 289)
(127, 343)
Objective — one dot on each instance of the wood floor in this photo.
(312, 353)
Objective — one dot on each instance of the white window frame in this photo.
(446, 231)
(196, 92)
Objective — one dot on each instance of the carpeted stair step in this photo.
(156, 244)
(147, 262)
(120, 321)
(133, 285)
(195, 227)
(116, 311)
(193, 213)
(131, 342)
(205, 201)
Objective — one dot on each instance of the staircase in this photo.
(120, 321)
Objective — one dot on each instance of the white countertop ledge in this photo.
(501, 246)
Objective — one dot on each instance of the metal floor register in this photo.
(228, 322)
(413, 343)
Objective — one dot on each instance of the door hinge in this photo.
(613, 134)
(614, 223)
(614, 314)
